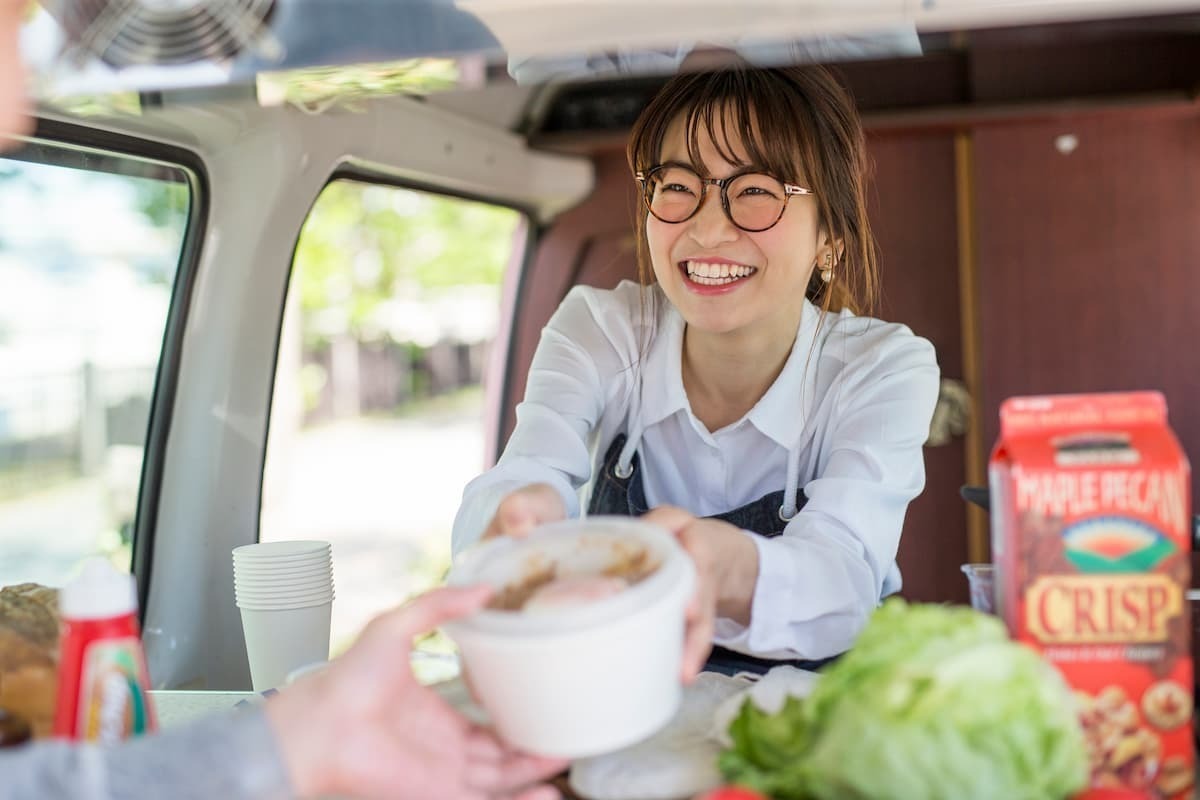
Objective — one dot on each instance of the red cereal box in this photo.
(1091, 539)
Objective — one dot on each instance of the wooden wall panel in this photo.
(913, 213)
(1090, 260)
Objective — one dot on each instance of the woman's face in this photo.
(771, 269)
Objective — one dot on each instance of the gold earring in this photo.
(827, 270)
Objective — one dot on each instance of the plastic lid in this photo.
(100, 591)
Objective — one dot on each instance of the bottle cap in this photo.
(100, 591)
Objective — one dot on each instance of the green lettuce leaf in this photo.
(933, 702)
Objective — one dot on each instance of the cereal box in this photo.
(1091, 538)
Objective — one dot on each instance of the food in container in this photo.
(551, 584)
(573, 590)
(580, 651)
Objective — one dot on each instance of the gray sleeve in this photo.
(229, 756)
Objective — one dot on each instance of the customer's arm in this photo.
(231, 757)
(363, 727)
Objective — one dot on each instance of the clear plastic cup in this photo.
(982, 580)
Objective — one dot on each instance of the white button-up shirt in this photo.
(852, 406)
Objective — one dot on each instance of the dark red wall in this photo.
(913, 214)
(1089, 262)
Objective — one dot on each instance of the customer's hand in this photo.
(364, 727)
(726, 572)
(526, 508)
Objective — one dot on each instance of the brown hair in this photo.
(794, 122)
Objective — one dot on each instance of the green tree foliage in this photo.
(363, 244)
(164, 203)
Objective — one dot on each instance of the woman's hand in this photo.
(526, 508)
(363, 727)
(726, 572)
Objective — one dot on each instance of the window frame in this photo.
(162, 401)
(361, 174)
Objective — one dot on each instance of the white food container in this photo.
(582, 680)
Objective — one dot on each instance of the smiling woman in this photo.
(740, 382)
(769, 140)
(737, 381)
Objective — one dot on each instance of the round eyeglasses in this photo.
(752, 201)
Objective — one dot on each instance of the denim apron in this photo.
(621, 492)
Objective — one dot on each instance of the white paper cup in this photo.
(251, 559)
(323, 592)
(281, 640)
(273, 569)
(275, 555)
(292, 601)
(280, 557)
(267, 605)
(284, 587)
(270, 580)
(283, 564)
(283, 584)
(279, 551)
(309, 559)
(282, 570)
(284, 590)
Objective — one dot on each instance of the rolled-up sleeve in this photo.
(820, 580)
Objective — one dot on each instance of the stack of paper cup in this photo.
(285, 593)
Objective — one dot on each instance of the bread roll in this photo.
(29, 653)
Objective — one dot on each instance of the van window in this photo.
(90, 243)
(377, 415)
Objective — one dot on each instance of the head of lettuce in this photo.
(933, 702)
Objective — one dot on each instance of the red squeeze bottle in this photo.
(102, 679)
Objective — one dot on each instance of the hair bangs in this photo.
(748, 124)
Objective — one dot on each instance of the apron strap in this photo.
(789, 508)
(624, 466)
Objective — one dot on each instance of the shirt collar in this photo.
(662, 373)
(779, 414)
(783, 410)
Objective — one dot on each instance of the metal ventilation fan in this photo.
(125, 33)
